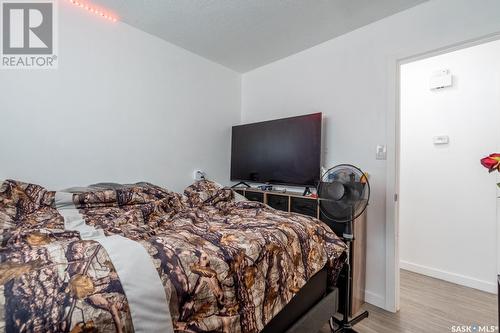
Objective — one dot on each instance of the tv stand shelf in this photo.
(298, 203)
(285, 201)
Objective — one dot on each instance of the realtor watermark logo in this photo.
(474, 328)
(28, 30)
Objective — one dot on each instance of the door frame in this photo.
(392, 285)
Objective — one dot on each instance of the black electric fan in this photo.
(343, 193)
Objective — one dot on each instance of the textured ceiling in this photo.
(246, 34)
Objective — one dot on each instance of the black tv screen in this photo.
(284, 151)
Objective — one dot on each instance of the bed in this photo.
(140, 258)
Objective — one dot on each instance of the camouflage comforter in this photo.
(225, 266)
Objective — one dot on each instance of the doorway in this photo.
(449, 118)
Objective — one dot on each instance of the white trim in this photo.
(374, 299)
(456, 278)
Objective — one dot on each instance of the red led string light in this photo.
(94, 10)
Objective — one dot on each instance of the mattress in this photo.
(140, 258)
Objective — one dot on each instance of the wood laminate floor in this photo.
(432, 306)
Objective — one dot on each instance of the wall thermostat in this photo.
(441, 140)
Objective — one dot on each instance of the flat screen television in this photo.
(283, 151)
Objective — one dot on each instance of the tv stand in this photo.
(241, 183)
(307, 191)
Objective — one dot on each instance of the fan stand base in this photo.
(345, 325)
(342, 326)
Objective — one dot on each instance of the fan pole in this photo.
(342, 187)
(345, 325)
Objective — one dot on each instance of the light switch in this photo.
(381, 153)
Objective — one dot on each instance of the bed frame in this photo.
(309, 310)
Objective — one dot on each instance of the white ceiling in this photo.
(246, 34)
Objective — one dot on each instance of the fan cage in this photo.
(330, 176)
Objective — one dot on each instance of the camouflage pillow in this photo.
(112, 194)
(17, 200)
(206, 192)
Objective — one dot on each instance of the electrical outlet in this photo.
(199, 175)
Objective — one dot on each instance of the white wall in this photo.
(123, 106)
(352, 80)
(447, 199)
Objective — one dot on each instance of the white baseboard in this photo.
(374, 299)
(463, 280)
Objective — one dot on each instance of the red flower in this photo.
(491, 162)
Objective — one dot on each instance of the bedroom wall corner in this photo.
(123, 106)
